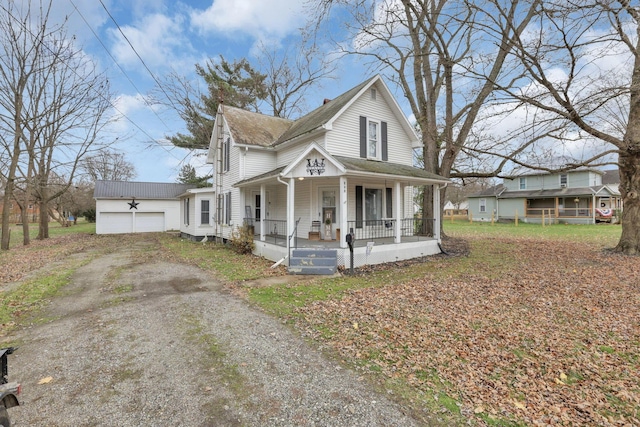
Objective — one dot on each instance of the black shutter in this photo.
(389, 203)
(385, 151)
(358, 206)
(363, 137)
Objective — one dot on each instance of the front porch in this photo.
(374, 242)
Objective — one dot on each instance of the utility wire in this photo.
(136, 52)
(117, 64)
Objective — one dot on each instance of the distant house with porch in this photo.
(582, 196)
(345, 166)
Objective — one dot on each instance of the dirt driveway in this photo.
(135, 341)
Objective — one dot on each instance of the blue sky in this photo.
(174, 36)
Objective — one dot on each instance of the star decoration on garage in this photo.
(133, 204)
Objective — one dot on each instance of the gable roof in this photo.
(139, 190)
(325, 113)
(259, 130)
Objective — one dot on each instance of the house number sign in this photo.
(315, 166)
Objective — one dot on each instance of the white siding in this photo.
(344, 138)
(288, 154)
(169, 207)
(257, 162)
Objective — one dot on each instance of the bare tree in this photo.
(446, 57)
(582, 78)
(54, 105)
(291, 74)
(108, 165)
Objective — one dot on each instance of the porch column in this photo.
(291, 221)
(342, 221)
(263, 210)
(436, 212)
(397, 209)
(593, 209)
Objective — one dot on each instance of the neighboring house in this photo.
(15, 214)
(135, 207)
(575, 197)
(348, 165)
(451, 211)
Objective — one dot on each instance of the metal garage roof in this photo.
(139, 190)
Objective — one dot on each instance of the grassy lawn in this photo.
(532, 326)
(535, 326)
(55, 229)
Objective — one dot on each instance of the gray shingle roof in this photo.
(257, 129)
(362, 165)
(321, 115)
(254, 128)
(139, 190)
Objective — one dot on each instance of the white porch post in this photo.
(263, 210)
(343, 212)
(291, 199)
(397, 209)
(436, 212)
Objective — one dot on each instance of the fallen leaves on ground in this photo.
(554, 340)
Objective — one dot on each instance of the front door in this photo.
(329, 204)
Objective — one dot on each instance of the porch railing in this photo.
(385, 228)
(275, 229)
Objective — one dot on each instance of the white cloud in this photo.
(257, 18)
(157, 38)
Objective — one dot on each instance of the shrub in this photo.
(242, 239)
(90, 215)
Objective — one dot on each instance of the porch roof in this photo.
(363, 167)
(557, 192)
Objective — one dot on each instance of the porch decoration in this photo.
(328, 229)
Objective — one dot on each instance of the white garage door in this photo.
(149, 221)
(115, 222)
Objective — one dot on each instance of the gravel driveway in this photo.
(135, 341)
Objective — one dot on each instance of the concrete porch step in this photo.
(313, 261)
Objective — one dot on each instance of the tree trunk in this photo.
(24, 216)
(629, 167)
(43, 223)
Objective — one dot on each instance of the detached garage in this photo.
(137, 207)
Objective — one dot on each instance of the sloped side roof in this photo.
(250, 128)
(611, 177)
(385, 168)
(139, 190)
(493, 191)
(321, 115)
(554, 192)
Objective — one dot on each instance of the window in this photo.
(523, 183)
(374, 94)
(372, 204)
(483, 205)
(258, 206)
(372, 140)
(204, 212)
(226, 156)
(186, 211)
(563, 180)
(227, 208)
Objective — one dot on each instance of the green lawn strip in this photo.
(604, 235)
(32, 295)
(216, 362)
(216, 257)
(55, 229)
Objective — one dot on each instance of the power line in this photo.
(136, 52)
(99, 93)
